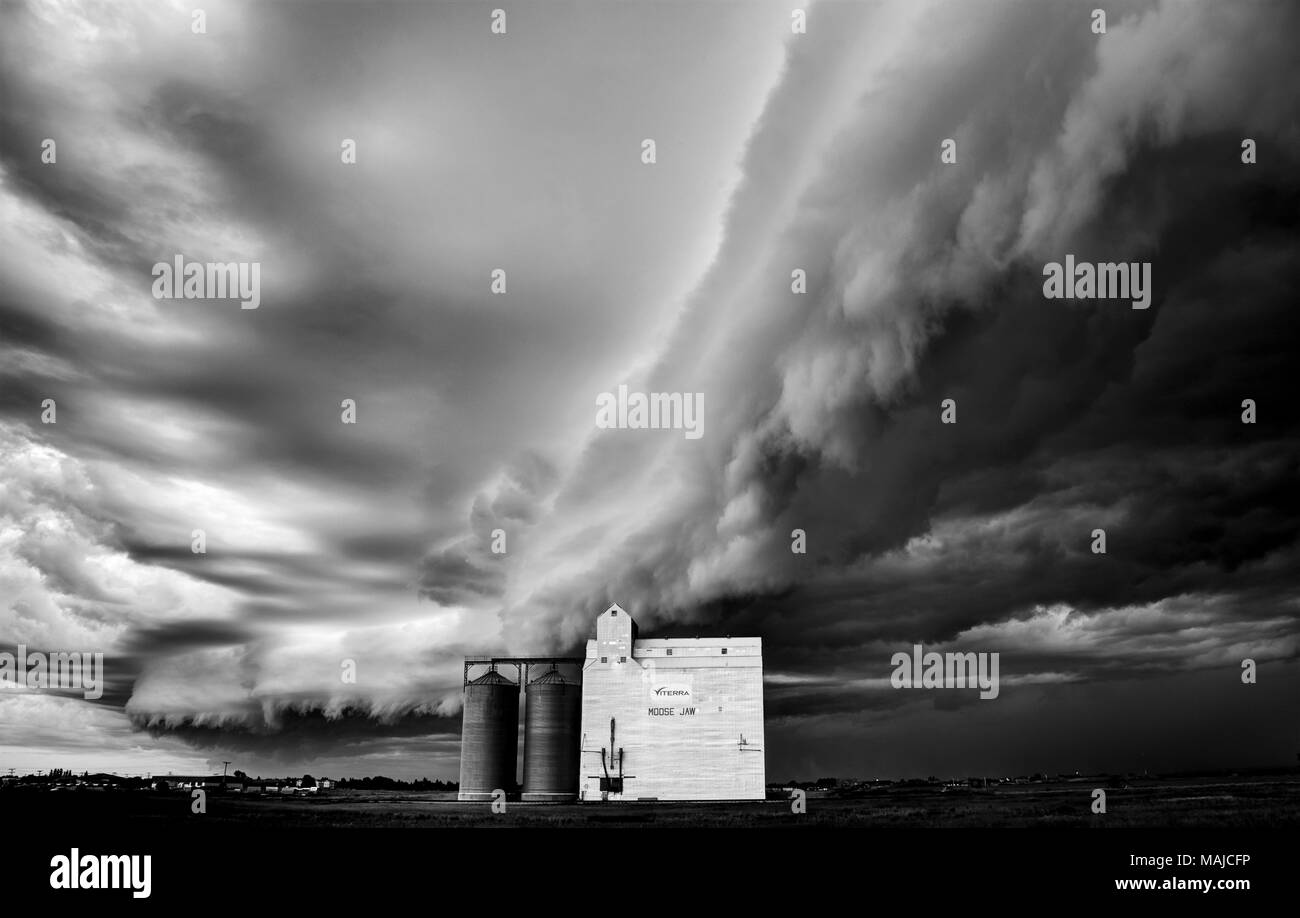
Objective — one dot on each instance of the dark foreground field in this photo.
(1217, 803)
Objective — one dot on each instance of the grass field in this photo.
(1186, 803)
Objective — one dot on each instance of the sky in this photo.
(370, 544)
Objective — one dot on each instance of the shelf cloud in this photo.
(800, 253)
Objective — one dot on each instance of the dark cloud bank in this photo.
(924, 283)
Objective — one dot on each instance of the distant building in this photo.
(200, 782)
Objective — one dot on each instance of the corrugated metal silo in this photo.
(552, 722)
(489, 737)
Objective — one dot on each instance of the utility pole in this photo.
(223, 774)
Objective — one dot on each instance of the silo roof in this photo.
(551, 677)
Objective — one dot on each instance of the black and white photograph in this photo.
(856, 439)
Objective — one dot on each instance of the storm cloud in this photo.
(776, 153)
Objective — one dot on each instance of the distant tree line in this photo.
(379, 782)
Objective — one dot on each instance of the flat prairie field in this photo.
(1209, 803)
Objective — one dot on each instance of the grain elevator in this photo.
(634, 719)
